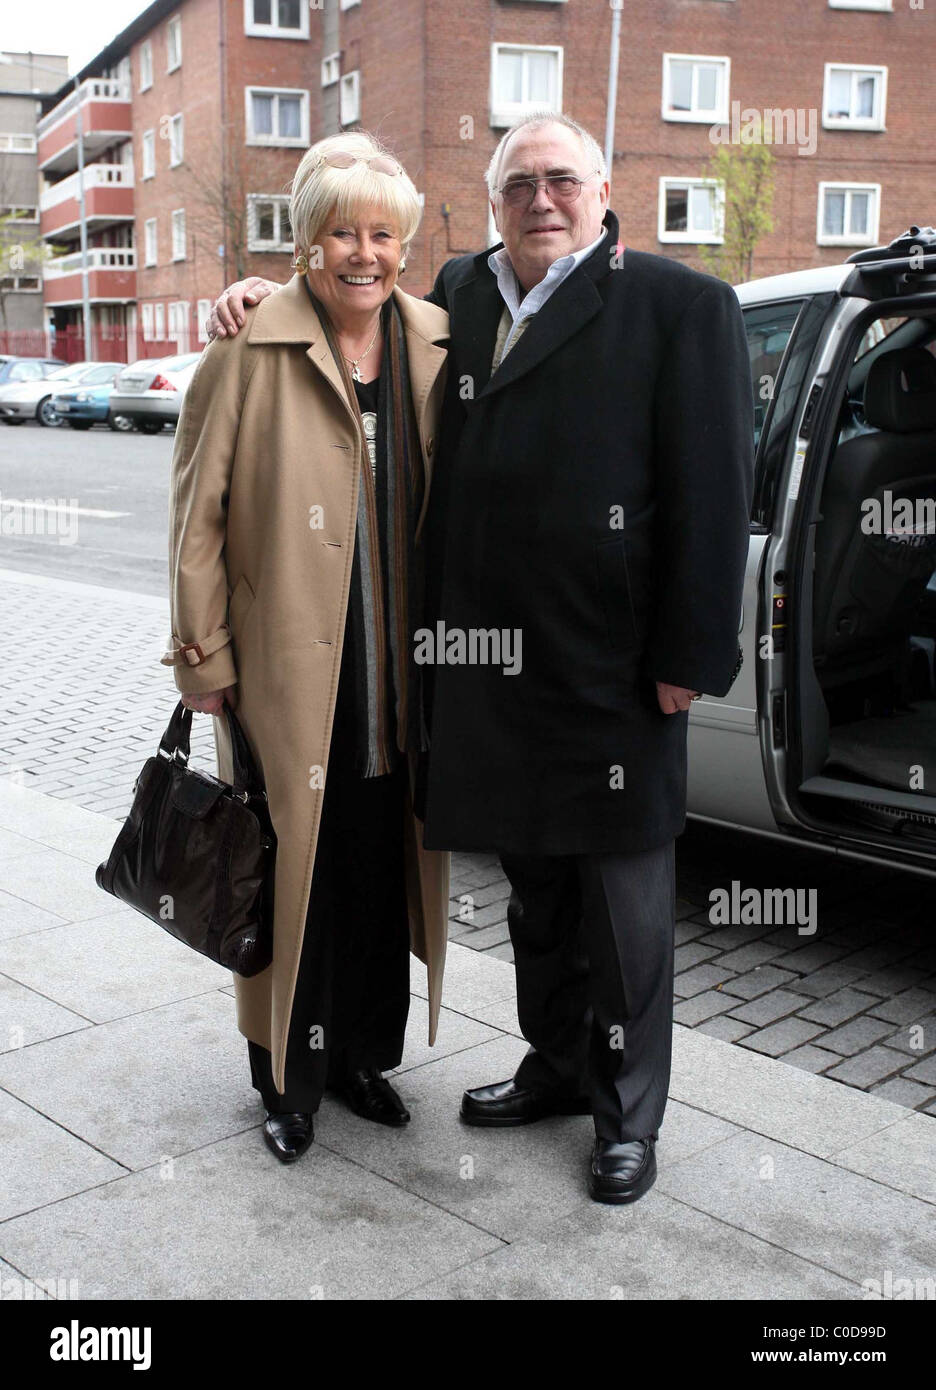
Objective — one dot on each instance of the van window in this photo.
(768, 328)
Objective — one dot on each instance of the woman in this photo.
(300, 478)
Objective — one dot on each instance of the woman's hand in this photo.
(228, 312)
(211, 703)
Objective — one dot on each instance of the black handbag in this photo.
(196, 855)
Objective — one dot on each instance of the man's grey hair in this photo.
(593, 150)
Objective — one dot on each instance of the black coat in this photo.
(627, 399)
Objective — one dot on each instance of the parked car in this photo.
(150, 392)
(26, 368)
(82, 406)
(828, 736)
(32, 400)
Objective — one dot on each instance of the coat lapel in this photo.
(476, 310)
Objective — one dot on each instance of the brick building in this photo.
(195, 117)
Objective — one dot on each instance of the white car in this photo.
(828, 736)
(32, 400)
(150, 392)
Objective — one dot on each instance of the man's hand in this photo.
(211, 703)
(674, 697)
(228, 312)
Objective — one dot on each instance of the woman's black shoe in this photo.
(288, 1135)
(370, 1095)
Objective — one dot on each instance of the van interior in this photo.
(868, 693)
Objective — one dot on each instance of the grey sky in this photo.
(78, 28)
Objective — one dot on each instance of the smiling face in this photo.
(361, 261)
(538, 234)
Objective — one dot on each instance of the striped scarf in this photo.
(385, 602)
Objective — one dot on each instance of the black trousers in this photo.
(352, 990)
(593, 940)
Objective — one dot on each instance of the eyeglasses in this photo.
(380, 163)
(565, 188)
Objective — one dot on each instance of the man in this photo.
(589, 517)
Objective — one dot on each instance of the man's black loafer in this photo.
(622, 1172)
(288, 1135)
(506, 1103)
(370, 1095)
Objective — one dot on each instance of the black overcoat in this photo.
(593, 494)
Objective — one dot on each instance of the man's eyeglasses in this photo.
(380, 163)
(565, 188)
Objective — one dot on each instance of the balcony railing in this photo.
(92, 89)
(99, 258)
(96, 176)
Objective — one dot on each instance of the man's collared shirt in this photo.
(521, 310)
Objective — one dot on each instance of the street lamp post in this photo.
(616, 7)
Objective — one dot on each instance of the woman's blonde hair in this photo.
(316, 188)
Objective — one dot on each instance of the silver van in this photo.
(828, 736)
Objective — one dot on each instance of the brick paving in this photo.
(83, 701)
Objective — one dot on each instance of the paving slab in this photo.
(40, 1162)
(902, 1156)
(472, 979)
(27, 1017)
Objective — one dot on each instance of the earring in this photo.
(402, 267)
(301, 263)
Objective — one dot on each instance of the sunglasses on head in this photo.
(380, 163)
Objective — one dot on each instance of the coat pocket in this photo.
(615, 589)
(239, 603)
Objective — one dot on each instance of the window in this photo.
(523, 79)
(854, 97)
(768, 328)
(176, 142)
(24, 371)
(691, 210)
(277, 19)
(13, 143)
(19, 212)
(203, 311)
(160, 324)
(179, 323)
(149, 241)
(146, 318)
(349, 98)
(174, 43)
(277, 117)
(178, 234)
(268, 226)
(331, 69)
(349, 4)
(146, 65)
(848, 214)
(695, 87)
(860, 5)
(149, 153)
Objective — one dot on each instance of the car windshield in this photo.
(75, 371)
(175, 364)
(97, 376)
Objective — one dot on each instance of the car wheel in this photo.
(47, 416)
(80, 424)
(120, 422)
(150, 426)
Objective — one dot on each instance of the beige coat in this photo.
(262, 512)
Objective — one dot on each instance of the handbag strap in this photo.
(175, 740)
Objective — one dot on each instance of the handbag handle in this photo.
(175, 744)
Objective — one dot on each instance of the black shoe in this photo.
(506, 1103)
(622, 1172)
(370, 1095)
(288, 1135)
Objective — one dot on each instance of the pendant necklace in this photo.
(355, 369)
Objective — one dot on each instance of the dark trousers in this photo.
(352, 991)
(593, 947)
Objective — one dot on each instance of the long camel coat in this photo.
(262, 512)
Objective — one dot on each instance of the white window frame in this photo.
(181, 331)
(8, 137)
(349, 106)
(159, 327)
(148, 160)
(174, 27)
(146, 322)
(849, 238)
(203, 314)
(697, 116)
(177, 220)
(349, 4)
(288, 141)
(150, 237)
(691, 237)
(873, 122)
(885, 6)
(176, 140)
(11, 284)
(146, 66)
(254, 242)
(273, 30)
(31, 210)
(505, 115)
(331, 68)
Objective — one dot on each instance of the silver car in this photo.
(828, 736)
(32, 400)
(150, 391)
